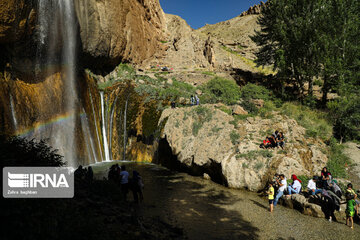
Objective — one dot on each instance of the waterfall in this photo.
(125, 137)
(89, 142)
(57, 33)
(13, 113)
(95, 123)
(111, 123)
(106, 147)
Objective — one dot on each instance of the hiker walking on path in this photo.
(282, 186)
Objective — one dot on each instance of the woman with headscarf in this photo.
(295, 187)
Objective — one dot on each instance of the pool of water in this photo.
(206, 210)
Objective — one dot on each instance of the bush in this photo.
(221, 90)
(338, 160)
(16, 151)
(345, 116)
(253, 91)
(126, 72)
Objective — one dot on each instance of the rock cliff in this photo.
(206, 139)
(112, 31)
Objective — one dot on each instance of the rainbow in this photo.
(57, 120)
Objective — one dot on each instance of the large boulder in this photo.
(113, 30)
(206, 139)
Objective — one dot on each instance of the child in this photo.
(350, 205)
(270, 193)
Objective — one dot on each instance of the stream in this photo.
(206, 210)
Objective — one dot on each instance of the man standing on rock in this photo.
(282, 186)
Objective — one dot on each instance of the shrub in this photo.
(125, 72)
(338, 160)
(345, 116)
(222, 90)
(253, 91)
(16, 151)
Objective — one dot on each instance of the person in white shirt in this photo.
(124, 182)
(295, 187)
(312, 186)
(282, 186)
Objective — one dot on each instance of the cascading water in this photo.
(125, 135)
(13, 114)
(106, 146)
(111, 123)
(88, 137)
(95, 122)
(57, 35)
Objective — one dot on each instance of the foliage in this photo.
(338, 160)
(221, 90)
(234, 137)
(208, 73)
(254, 154)
(126, 72)
(16, 151)
(313, 121)
(253, 91)
(311, 39)
(345, 115)
(259, 165)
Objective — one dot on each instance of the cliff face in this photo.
(204, 139)
(113, 30)
(17, 18)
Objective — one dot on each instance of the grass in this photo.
(259, 165)
(313, 121)
(235, 137)
(225, 109)
(251, 63)
(338, 161)
(254, 154)
(208, 73)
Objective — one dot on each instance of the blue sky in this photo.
(199, 12)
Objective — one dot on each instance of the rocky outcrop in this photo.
(17, 20)
(184, 48)
(256, 9)
(204, 137)
(112, 31)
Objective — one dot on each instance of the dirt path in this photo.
(205, 210)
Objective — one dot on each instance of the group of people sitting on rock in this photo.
(276, 140)
(120, 176)
(326, 189)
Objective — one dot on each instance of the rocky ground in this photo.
(352, 150)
